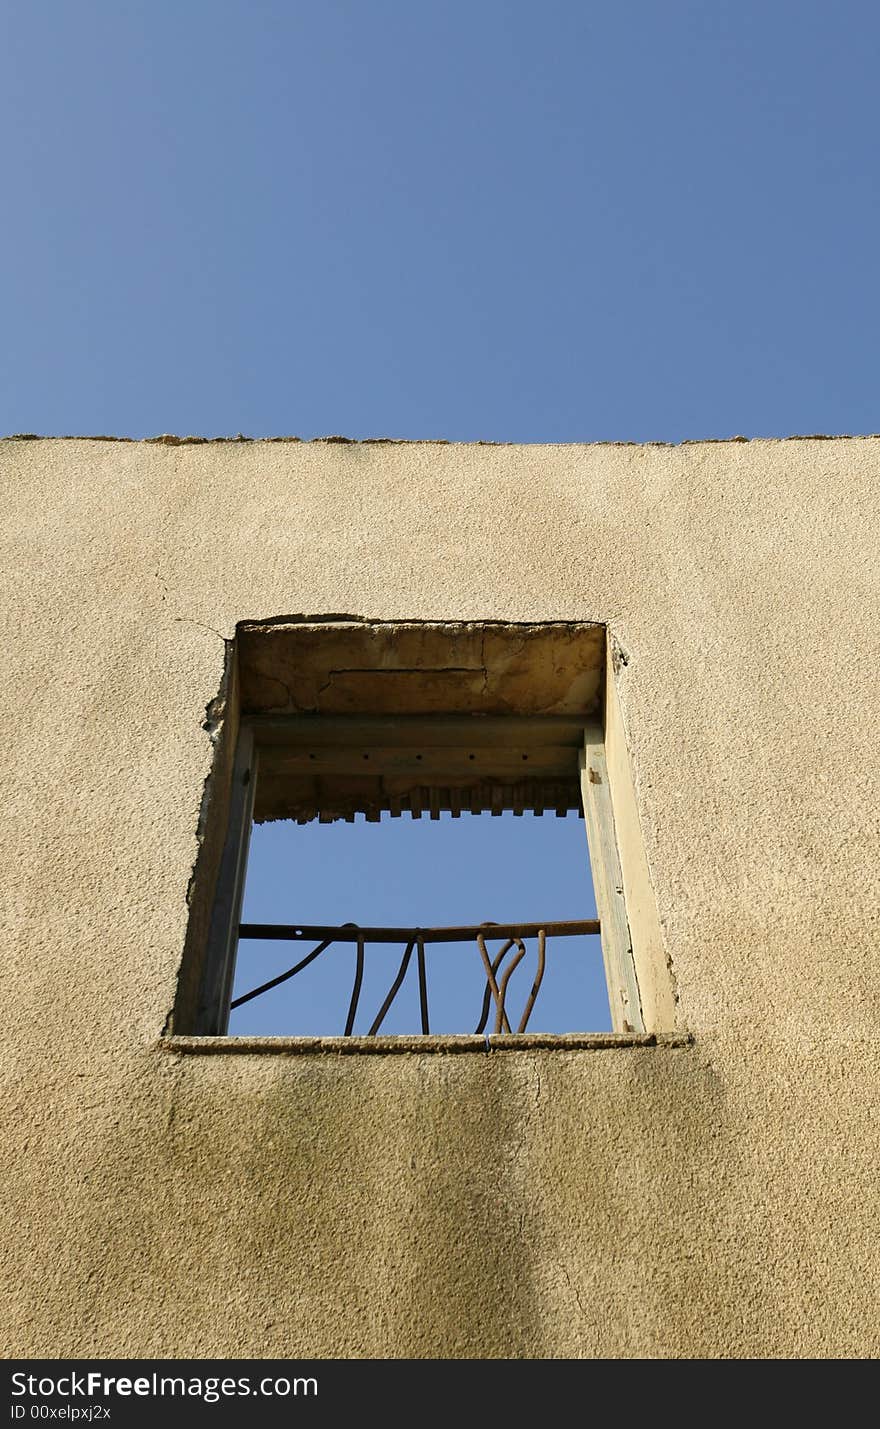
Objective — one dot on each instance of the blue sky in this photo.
(652, 219)
(639, 220)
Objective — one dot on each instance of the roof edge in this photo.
(168, 439)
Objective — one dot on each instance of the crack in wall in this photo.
(185, 620)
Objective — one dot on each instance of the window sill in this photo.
(357, 1046)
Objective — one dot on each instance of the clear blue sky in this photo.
(555, 221)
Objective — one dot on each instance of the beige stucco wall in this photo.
(715, 1198)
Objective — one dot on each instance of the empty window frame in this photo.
(343, 718)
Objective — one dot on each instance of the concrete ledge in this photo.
(357, 1046)
(584, 1041)
(336, 1046)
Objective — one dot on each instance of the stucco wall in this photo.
(714, 1198)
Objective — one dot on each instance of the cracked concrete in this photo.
(359, 663)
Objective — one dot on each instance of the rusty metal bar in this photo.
(356, 990)
(493, 986)
(350, 933)
(394, 990)
(536, 985)
(416, 938)
(274, 982)
(502, 986)
(423, 984)
(487, 995)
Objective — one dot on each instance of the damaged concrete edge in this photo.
(169, 439)
(255, 624)
(422, 666)
(214, 724)
(420, 1044)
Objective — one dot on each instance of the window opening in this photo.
(405, 873)
(481, 726)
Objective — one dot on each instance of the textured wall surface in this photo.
(715, 1198)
